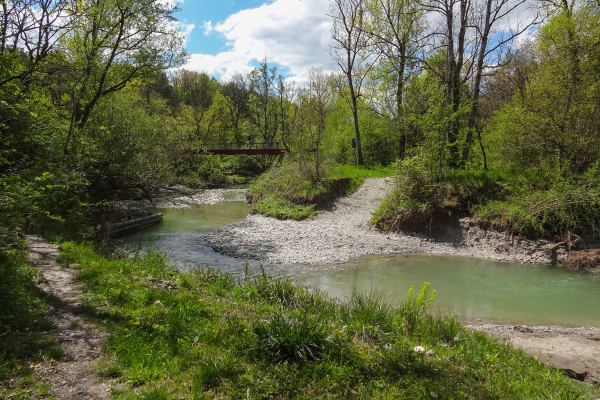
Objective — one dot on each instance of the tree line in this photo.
(509, 80)
(96, 107)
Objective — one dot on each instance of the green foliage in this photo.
(420, 197)
(285, 192)
(358, 174)
(207, 334)
(282, 209)
(563, 207)
(281, 339)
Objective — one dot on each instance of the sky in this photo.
(229, 36)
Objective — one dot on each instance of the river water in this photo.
(475, 290)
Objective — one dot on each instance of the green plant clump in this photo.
(206, 334)
(285, 192)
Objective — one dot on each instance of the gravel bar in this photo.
(344, 233)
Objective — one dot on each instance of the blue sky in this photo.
(226, 36)
(229, 36)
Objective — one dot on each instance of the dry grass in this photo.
(583, 259)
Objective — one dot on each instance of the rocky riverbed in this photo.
(344, 233)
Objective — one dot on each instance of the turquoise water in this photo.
(473, 289)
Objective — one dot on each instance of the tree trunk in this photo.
(354, 97)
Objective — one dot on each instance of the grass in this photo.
(206, 334)
(282, 209)
(26, 335)
(358, 174)
(289, 192)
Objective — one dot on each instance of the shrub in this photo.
(563, 207)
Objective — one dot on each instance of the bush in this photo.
(422, 201)
(563, 207)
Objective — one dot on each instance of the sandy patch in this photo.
(575, 350)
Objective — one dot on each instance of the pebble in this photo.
(345, 233)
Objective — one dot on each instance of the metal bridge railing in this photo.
(245, 146)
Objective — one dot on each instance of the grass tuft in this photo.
(289, 339)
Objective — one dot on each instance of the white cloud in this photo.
(292, 33)
(208, 27)
(184, 28)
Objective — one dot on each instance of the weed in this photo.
(285, 339)
(210, 374)
(368, 309)
(156, 394)
(109, 368)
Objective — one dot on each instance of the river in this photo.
(473, 289)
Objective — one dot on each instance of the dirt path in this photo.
(71, 376)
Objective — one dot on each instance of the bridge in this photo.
(247, 148)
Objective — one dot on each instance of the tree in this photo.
(395, 26)
(111, 43)
(464, 31)
(490, 44)
(263, 104)
(285, 97)
(313, 107)
(349, 52)
(197, 91)
(29, 30)
(237, 96)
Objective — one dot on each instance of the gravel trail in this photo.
(344, 233)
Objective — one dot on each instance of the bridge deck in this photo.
(249, 149)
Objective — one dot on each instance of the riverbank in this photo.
(574, 350)
(344, 233)
(210, 334)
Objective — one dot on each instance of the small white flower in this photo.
(419, 349)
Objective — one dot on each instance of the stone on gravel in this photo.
(345, 233)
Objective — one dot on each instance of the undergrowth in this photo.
(206, 334)
(535, 205)
(288, 192)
